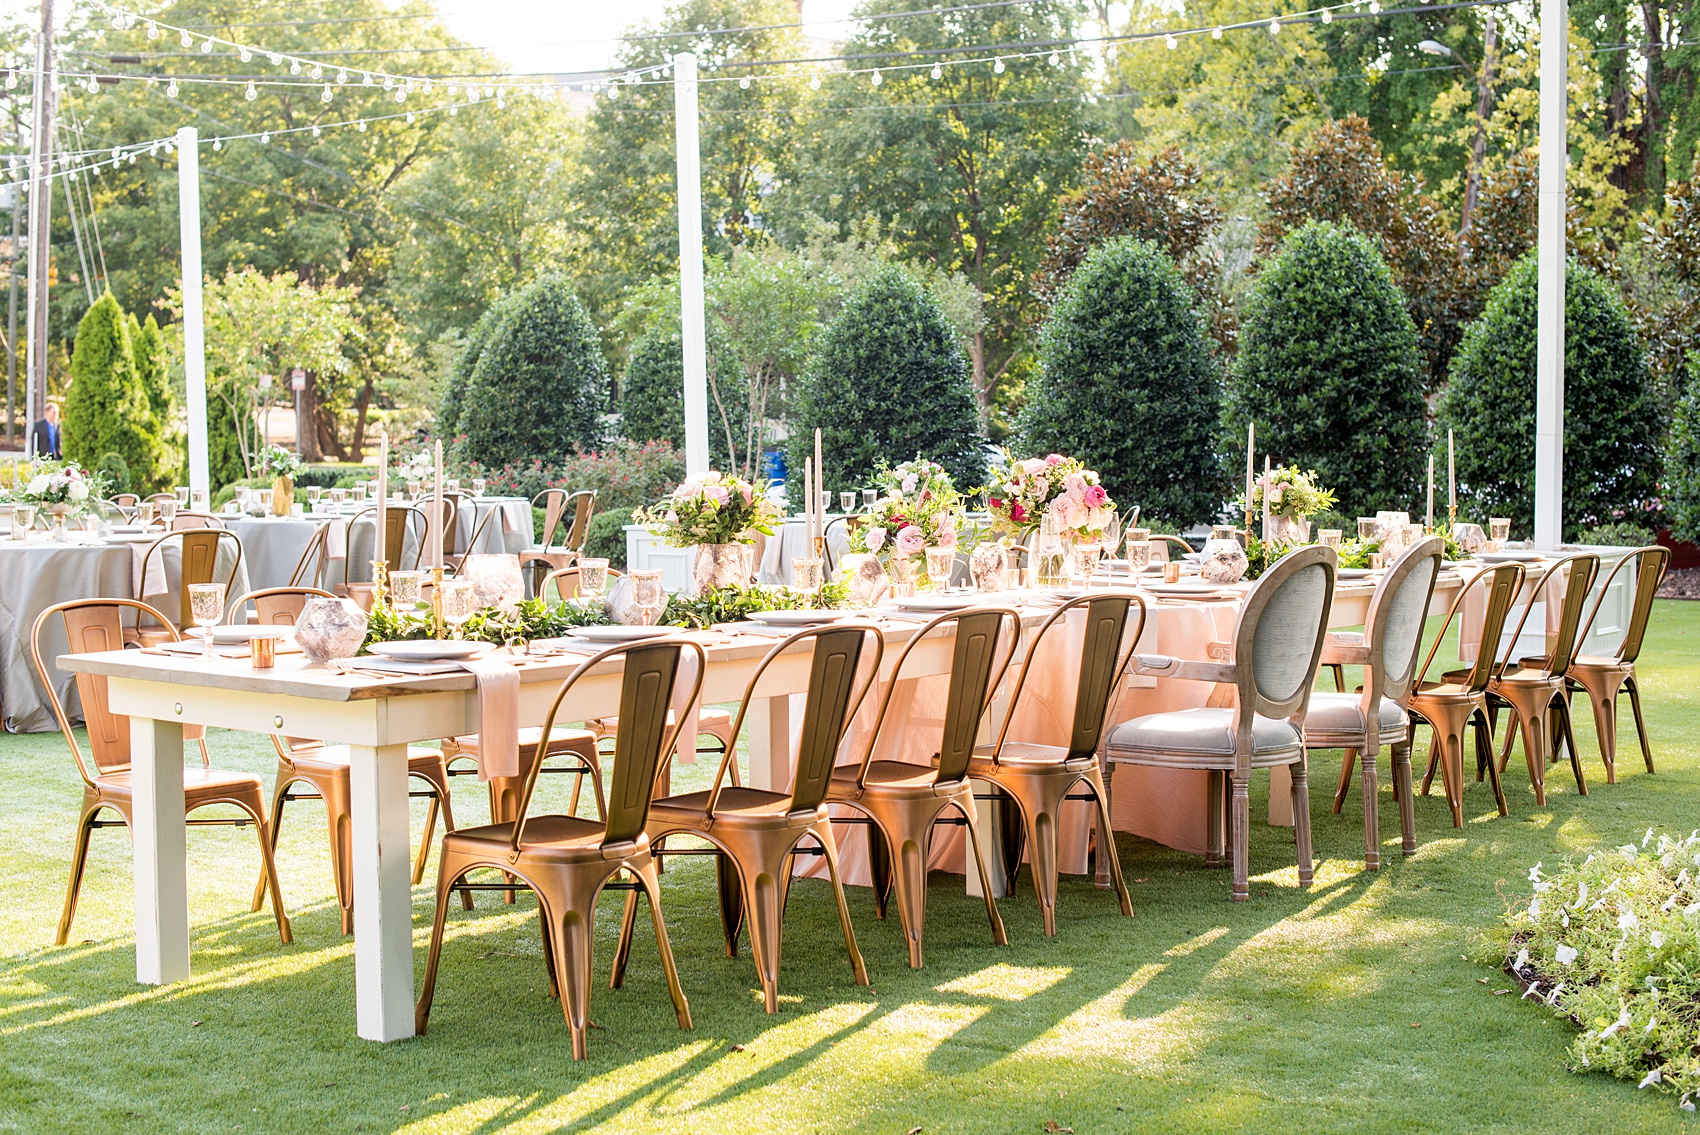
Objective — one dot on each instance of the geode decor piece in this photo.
(1223, 559)
(1470, 537)
(330, 628)
(867, 578)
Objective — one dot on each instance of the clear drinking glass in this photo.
(869, 496)
(1086, 562)
(1111, 536)
(264, 496)
(825, 502)
(1330, 537)
(478, 486)
(23, 519)
(314, 492)
(806, 577)
(458, 603)
(648, 595)
(168, 511)
(360, 490)
(413, 490)
(1051, 564)
(1499, 528)
(338, 496)
(406, 588)
(592, 577)
(749, 552)
(1138, 554)
(939, 563)
(1366, 528)
(182, 492)
(846, 503)
(144, 513)
(1013, 573)
(198, 499)
(451, 484)
(206, 608)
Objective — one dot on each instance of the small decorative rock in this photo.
(330, 628)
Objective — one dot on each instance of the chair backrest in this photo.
(160, 497)
(1393, 628)
(1167, 548)
(125, 500)
(1105, 652)
(1278, 642)
(649, 688)
(844, 522)
(92, 626)
(312, 555)
(581, 503)
(396, 520)
(478, 529)
(186, 521)
(841, 653)
(1579, 580)
(200, 547)
(278, 606)
(1502, 584)
(975, 672)
(557, 503)
(1652, 562)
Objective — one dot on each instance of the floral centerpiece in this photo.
(418, 467)
(62, 489)
(919, 508)
(1292, 495)
(717, 514)
(281, 465)
(1025, 492)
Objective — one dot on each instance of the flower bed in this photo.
(1613, 943)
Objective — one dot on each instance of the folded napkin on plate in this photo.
(154, 584)
(498, 716)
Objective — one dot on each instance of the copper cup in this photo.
(1376, 561)
(1171, 572)
(263, 650)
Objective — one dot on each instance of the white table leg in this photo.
(770, 743)
(162, 884)
(383, 898)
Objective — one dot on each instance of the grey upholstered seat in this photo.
(1204, 732)
(1333, 714)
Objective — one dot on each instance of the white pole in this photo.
(194, 332)
(41, 215)
(1549, 335)
(690, 263)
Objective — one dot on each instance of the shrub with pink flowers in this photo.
(625, 474)
(712, 508)
(1024, 492)
(918, 508)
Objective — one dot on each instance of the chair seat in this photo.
(200, 786)
(1025, 755)
(886, 776)
(707, 721)
(334, 759)
(734, 806)
(1593, 662)
(1202, 736)
(547, 839)
(1339, 715)
(562, 740)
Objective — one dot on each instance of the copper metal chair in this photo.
(902, 801)
(1272, 665)
(1534, 689)
(556, 505)
(126, 501)
(94, 625)
(452, 558)
(1602, 678)
(568, 861)
(1387, 650)
(186, 521)
(200, 552)
(310, 567)
(397, 519)
(755, 833)
(1038, 776)
(325, 768)
(1459, 702)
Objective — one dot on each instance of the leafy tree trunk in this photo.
(357, 451)
(306, 422)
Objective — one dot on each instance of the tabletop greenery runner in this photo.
(1022, 492)
(733, 604)
(1613, 943)
(532, 619)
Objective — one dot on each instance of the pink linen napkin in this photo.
(498, 716)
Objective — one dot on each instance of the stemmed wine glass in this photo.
(1086, 562)
(1112, 534)
(206, 608)
(806, 576)
(869, 496)
(648, 595)
(1050, 559)
(457, 603)
(168, 510)
(592, 577)
(846, 503)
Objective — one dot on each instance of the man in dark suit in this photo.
(44, 435)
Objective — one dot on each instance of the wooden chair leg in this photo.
(1402, 792)
(1301, 821)
(1372, 813)
(1239, 825)
(1640, 721)
(1215, 806)
(1339, 676)
(1347, 759)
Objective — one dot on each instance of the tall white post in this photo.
(690, 262)
(41, 218)
(1549, 335)
(194, 331)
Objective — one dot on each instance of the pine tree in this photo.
(106, 408)
(148, 352)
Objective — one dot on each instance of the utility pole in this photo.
(41, 212)
(12, 307)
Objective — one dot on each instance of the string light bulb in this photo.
(814, 80)
(325, 95)
(1170, 42)
(265, 138)
(316, 130)
(171, 88)
(501, 103)
(244, 54)
(744, 83)
(295, 66)
(937, 72)
(217, 144)
(613, 92)
(876, 78)
(410, 118)
(1216, 32)
(250, 94)
(317, 72)
(1374, 7)
(342, 74)
(1274, 27)
(1056, 60)
(366, 80)
(454, 110)
(400, 95)
(276, 59)
(1327, 15)
(206, 46)
(153, 30)
(185, 40)
(998, 67)
(361, 126)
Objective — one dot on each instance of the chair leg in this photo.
(965, 804)
(1216, 793)
(1106, 837)
(1301, 820)
(879, 868)
(622, 951)
(1640, 721)
(1446, 749)
(1372, 812)
(760, 883)
(731, 901)
(268, 866)
(1434, 749)
(1339, 676)
(571, 933)
(1347, 759)
(1407, 805)
(1604, 704)
(79, 862)
(428, 989)
(1569, 734)
(425, 840)
(651, 884)
(1013, 837)
(278, 790)
(1107, 840)
(823, 833)
(1239, 825)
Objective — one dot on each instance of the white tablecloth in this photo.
(790, 541)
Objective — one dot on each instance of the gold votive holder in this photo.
(1171, 572)
(1376, 561)
(263, 650)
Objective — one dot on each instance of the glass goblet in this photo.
(451, 484)
(806, 577)
(1111, 536)
(314, 492)
(1366, 528)
(939, 563)
(406, 589)
(649, 597)
(198, 499)
(457, 603)
(144, 513)
(168, 511)
(23, 519)
(478, 486)
(182, 494)
(206, 608)
(1330, 537)
(1138, 554)
(869, 496)
(1086, 562)
(846, 503)
(592, 577)
(1499, 529)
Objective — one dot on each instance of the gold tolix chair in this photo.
(567, 861)
(1602, 678)
(1387, 649)
(755, 833)
(903, 801)
(199, 564)
(93, 625)
(325, 768)
(1271, 664)
(1037, 776)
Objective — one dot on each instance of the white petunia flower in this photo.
(1657, 938)
(1534, 909)
(1542, 887)
(1565, 955)
(1520, 961)
(1581, 895)
(1653, 1077)
(1535, 873)
(1612, 1029)
(1648, 838)
(1627, 920)
(1629, 850)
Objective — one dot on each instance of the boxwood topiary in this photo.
(1682, 461)
(1330, 373)
(1127, 384)
(606, 536)
(540, 385)
(106, 407)
(652, 405)
(1612, 421)
(887, 381)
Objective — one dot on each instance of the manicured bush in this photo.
(1619, 533)
(224, 448)
(1127, 384)
(148, 354)
(460, 377)
(1682, 462)
(106, 408)
(624, 474)
(117, 471)
(607, 536)
(652, 405)
(1330, 372)
(540, 385)
(886, 382)
(1612, 421)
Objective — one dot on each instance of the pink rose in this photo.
(1054, 459)
(910, 540)
(875, 539)
(1075, 485)
(1033, 465)
(1096, 497)
(1059, 508)
(947, 538)
(1017, 513)
(717, 493)
(690, 490)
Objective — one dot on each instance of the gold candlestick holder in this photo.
(438, 623)
(1451, 517)
(820, 548)
(380, 583)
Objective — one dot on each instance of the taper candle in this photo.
(437, 508)
(1250, 469)
(1266, 498)
(1431, 492)
(1451, 472)
(383, 490)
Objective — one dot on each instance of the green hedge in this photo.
(1330, 372)
(1612, 420)
(652, 404)
(107, 410)
(607, 536)
(1682, 461)
(1127, 384)
(887, 382)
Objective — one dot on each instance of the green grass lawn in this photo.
(1365, 1003)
